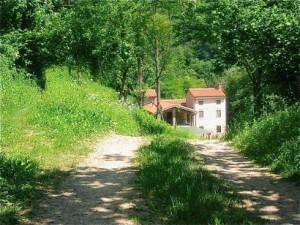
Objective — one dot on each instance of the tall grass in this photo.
(274, 141)
(179, 189)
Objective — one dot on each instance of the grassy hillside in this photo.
(46, 133)
(49, 126)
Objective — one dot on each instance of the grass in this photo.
(45, 134)
(50, 127)
(179, 190)
(274, 141)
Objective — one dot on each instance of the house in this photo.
(203, 108)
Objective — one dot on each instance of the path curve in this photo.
(98, 191)
(267, 194)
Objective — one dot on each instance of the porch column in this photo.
(194, 120)
(174, 117)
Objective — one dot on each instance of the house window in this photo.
(218, 113)
(218, 129)
(201, 114)
(218, 102)
(200, 102)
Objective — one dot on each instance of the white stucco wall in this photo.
(210, 121)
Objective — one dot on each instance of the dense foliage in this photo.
(150, 126)
(274, 140)
(177, 187)
(260, 36)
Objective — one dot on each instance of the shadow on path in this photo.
(264, 193)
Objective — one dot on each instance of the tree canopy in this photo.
(169, 45)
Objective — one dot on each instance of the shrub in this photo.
(177, 187)
(262, 140)
(149, 125)
(18, 180)
(288, 159)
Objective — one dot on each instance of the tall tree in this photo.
(260, 36)
(159, 30)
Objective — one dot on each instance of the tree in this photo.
(138, 24)
(260, 36)
(27, 25)
(159, 29)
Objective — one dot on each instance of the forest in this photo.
(73, 69)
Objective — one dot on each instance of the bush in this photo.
(151, 126)
(263, 139)
(288, 159)
(177, 187)
(18, 181)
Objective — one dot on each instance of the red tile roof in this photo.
(167, 104)
(150, 107)
(206, 92)
(172, 101)
(150, 93)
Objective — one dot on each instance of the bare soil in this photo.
(267, 194)
(100, 190)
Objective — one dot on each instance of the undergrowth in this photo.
(151, 126)
(274, 141)
(177, 187)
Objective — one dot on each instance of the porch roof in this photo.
(179, 107)
(167, 104)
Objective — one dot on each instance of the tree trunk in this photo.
(124, 91)
(70, 70)
(157, 78)
(257, 94)
(140, 82)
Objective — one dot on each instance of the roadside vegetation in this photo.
(274, 141)
(149, 125)
(180, 191)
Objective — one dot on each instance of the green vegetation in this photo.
(151, 126)
(48, 126)
(71, 70)
(18, 183)
(179, 189)
(274, 140)
(258, 66)
(46, 133)
(43, 134)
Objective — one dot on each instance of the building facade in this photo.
(203, 108)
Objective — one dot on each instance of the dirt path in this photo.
(98, 191)
(267, 194)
